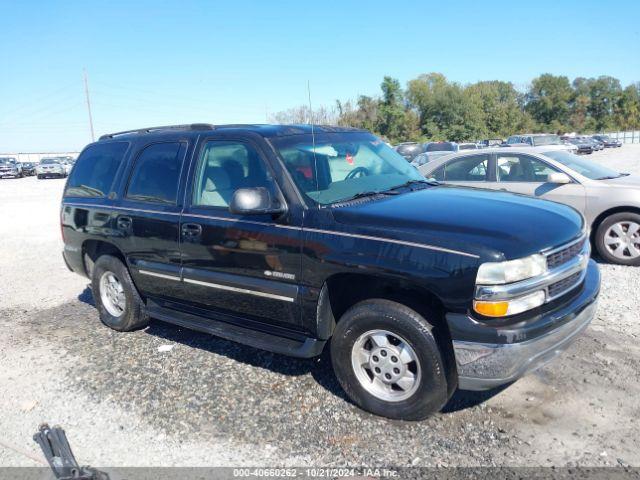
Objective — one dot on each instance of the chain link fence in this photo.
(625, 137)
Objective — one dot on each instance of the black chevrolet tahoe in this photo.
(296, 238)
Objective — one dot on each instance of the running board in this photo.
(304, 348)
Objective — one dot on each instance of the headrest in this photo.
(216, 179)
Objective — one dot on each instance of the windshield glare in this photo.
(583, 167)
(49, 161)
(346, 164)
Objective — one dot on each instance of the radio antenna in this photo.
(313, 137)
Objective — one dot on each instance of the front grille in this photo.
(566, 254)
(564, 285)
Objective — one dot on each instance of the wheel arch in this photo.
(607, 213)
(92, 249)
(343, 290)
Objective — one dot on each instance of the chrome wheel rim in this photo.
(386, 366)
(112, 294)
(622, 240)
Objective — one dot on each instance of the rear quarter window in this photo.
(95, 170)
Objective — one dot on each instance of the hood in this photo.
(484, 222)
(626, 180)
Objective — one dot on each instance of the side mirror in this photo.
(558, 177)
(255, 201)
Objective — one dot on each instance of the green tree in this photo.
(548, 100)
(501, 105)
(446, 110)
(604, 93)
(433, 108)
(395, 121)
(627, 108)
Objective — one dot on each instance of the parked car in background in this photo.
(491, 142)
(607, 141)
(441, 147)
(66, 164)
(409, 150)
(609, 200)
(534, 139)
(29, 168)
(294, 239)
(10, 167)
(582, 147)
(467, 146)
(595, 144)
(51, 168)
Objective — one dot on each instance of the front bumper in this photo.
(484, 365)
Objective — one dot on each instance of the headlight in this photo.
(497, 273)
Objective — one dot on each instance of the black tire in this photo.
(431, 392)
(602, 230)
(135, 314)
(39, 177)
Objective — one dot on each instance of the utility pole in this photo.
(86, 91)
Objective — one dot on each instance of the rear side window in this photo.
(472, 168)
(95, 170)
(156, 173)
(439, 174)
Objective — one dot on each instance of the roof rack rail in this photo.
(191, 126)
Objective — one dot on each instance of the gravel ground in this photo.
(207, 401)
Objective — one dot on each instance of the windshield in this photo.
(583, 167)
(6, 161)
(546, 140)
(346, 164)
(49, 161)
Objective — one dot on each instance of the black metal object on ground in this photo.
(57, 451)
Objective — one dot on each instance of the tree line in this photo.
(431, 107)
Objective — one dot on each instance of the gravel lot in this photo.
(209, 402)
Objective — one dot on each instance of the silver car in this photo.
(609, 200)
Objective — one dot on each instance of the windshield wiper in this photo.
(410, 183)
(611, 177)
(371, 193)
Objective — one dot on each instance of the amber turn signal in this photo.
(491, 309)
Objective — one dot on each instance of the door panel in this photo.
(526, 174)
(151, 243)
(247, 265)
(148, 218)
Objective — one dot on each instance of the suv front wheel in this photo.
(388, 362)
(117, 299)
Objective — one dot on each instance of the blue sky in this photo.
(154, 63)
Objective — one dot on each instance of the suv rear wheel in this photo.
(618, 238)
(117, 299)
(388, 361)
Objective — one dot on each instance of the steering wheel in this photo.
(357, 172)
